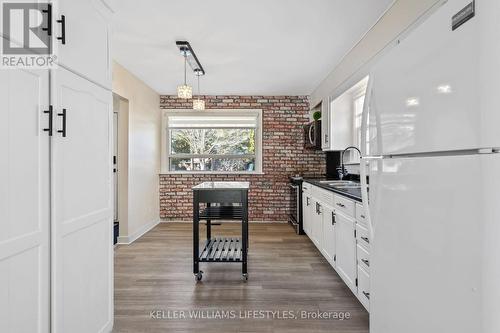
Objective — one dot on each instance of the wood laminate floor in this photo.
(287, 274)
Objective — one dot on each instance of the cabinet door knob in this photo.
(367, 262)
(367, 295)
(340, 204)
(366, 239)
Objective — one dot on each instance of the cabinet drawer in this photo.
(363, 258)
(364, 287)
(344, 205)
(361, 215)
(362, 236)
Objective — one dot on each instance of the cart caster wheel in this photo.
(245, 277)
(198, 276)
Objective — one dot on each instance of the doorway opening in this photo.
(120, 166)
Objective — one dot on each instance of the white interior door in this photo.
(82, 206)
(24, 202)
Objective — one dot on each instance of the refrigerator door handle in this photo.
(365, 160)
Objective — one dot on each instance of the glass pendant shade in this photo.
(198, 104)
(184, 91)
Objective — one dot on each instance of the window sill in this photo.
(208, 173)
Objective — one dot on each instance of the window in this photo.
(359, 102)
(222, 141)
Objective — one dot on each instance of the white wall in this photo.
(144, 119)
(395, 21)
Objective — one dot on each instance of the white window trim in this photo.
(165, 140)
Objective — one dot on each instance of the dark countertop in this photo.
(351, 193)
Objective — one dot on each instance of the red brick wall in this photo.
(283, 155)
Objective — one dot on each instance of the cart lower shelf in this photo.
(221, 249)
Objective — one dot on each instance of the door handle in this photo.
(63, 130)
(49, 19)
(367, 295)
(366, 239)
(50, 111)
(62, 21)
(333, 218)
(366, 262)
(340, 204)
(307, 201)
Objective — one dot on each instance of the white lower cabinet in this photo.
(336, 225)
(329, 241)
(346, 249)
(306, 210)
(317, 224)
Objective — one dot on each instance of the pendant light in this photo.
(198, 104)
(184, 91)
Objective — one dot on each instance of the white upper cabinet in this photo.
(86, 30)
(82, 205)
(24, 201)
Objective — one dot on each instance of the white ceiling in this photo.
(247, 47)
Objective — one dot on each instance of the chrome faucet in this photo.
(342, 171)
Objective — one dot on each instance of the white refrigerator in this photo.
(431, 127)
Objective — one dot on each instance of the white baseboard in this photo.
(136, 235)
